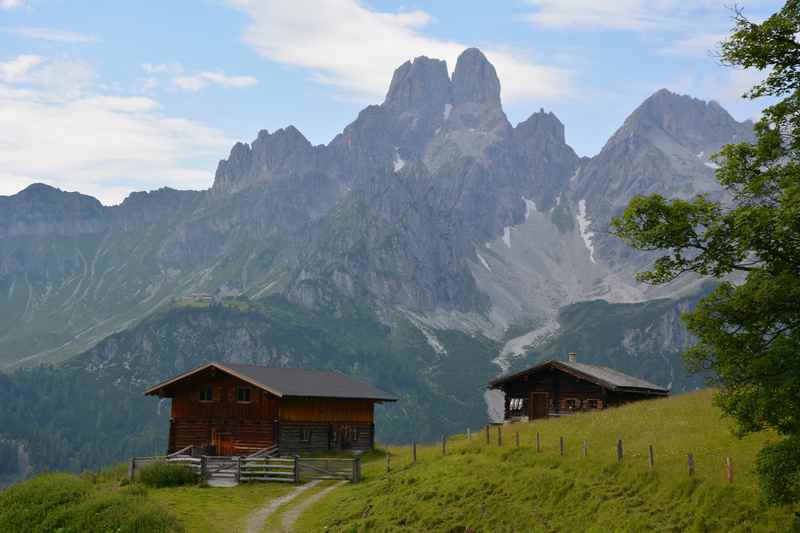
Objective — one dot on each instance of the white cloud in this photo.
(18, 69)
(102, 144)
(348, 46)
(703, 44)
(203, 79)
(633, 14)
(10, 4)
(617, 14)
(53, 35)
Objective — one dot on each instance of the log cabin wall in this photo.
(562, 389)
(316, 424)
(244, 426)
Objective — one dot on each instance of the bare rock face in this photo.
(431, 202)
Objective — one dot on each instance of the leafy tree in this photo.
(748, 329)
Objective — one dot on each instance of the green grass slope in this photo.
(480, 488)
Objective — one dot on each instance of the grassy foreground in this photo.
(477, 487)
(104, 502)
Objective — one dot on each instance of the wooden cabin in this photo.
(558, 388)
(233, 409)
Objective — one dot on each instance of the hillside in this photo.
(478, 487)
(58, 413)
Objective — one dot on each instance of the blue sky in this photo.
(111, 97)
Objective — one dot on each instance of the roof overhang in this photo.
(156, 390)
(499, 382)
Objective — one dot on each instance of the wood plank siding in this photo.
(227, 415)
(557, 388)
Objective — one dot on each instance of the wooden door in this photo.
(344, 433)
(225, 444)
(538, 405)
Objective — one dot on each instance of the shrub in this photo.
(163, 474)
(778, 468)
(31, 502)
(67, 503)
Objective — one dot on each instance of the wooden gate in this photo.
(319, 468)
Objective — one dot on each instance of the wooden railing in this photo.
(260, 467)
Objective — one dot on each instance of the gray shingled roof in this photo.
(607, 377)
(294, 382)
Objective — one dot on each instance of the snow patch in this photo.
(507, 236)
(447, 109)
(700, 155)
(583, 225)
(518, 345)
(558, 200)
(433, 342)
(399, 162)
(709, 164)
(483, 262)
(530, 207)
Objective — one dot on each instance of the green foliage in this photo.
(779, 470)
(67, 503)
(484, 487)
(748, 331)
(162, 474)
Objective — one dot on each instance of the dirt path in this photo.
(291, 516)
(256, 522)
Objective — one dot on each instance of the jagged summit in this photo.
(692, 122)
(475, 79)
(421, 83)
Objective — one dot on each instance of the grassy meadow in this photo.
(104, 501)
(481, 488)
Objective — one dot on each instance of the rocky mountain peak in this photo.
(693, 123)
(421, 83)
(541, 125)
(284, 151)
(475, 79)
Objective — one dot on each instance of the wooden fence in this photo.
(259, 468)
(619, 449)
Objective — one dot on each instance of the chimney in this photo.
(573, 357)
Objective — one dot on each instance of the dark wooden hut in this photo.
(557, 388)
(233, 409)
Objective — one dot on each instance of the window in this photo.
(207, 394)
(243, 394)
(305, 435)
(593, 403)
(572, 404)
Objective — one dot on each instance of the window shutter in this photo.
(232, 394)
(217, 394)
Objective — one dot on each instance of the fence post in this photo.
(469, 434)
(444, 445)
(517, 437)
(358, 469)
(203, 468)
(538, 442)
(388, 463)
(619, 450)
(296, 469)
(131, 468)
(651, 460)
(585, 448)
(690, 461)
(561, 445)
(499, 435)
(413, 451)
(729, 469)
(238, 469)
(487, 433)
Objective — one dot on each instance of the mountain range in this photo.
(427, 247)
